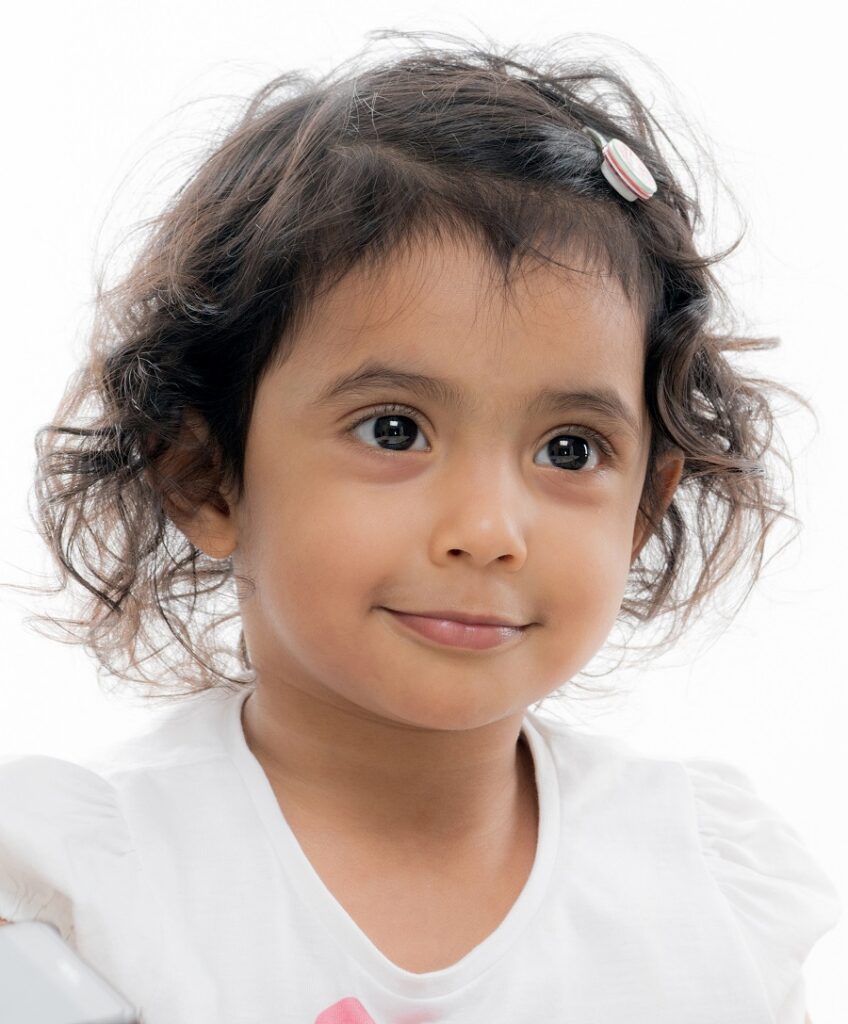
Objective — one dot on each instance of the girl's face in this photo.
(457, 501)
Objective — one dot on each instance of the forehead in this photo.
(439, 307)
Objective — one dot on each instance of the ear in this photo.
(201, 510)
(668, 471)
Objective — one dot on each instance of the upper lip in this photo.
(470, 618)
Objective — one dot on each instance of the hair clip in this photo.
(622, 168)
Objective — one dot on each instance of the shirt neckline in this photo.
(350, 937)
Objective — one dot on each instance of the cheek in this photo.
(585, 578)
(319, 544)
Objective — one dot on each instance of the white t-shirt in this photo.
(662, 891)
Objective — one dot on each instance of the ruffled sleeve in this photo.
(60, 829)
(780, 896)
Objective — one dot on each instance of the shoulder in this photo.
(744, 837)
(35, 787)
(780, 896)
(775, 893)
(32, 784)
(61, 828)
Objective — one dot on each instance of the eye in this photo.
(576, 450)
(395, 429)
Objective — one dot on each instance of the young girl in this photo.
(419, 380)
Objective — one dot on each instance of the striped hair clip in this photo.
(622, 168)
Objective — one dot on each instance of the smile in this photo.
(450, 633)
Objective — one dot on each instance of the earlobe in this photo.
(210, 528)
(668, 471)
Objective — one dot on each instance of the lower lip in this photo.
(458, 634)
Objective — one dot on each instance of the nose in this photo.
(481, 515)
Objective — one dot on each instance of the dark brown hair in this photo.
(315, 177)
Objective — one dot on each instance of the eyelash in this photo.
(383, 410)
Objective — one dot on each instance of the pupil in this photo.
(569, 452)
(391, 430)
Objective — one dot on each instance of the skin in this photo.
(398, 743)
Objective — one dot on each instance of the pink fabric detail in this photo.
(346, 1011)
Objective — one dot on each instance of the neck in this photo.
(409, 787)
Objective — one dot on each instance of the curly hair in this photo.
(316, 176)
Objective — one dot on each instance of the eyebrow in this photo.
(603, 400)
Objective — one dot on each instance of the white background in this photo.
(96, 92)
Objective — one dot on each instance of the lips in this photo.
(455, 633)
(467, 618)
